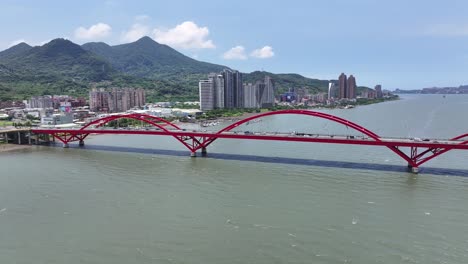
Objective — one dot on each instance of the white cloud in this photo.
(447, 30)
(16, 42)
(186, 36)
(263, 53)
(98, 31)
(136, 32)
(235, 53)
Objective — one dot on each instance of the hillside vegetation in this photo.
(63, 67)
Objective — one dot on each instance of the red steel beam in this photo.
(369, 142)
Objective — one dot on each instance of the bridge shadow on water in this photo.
(281, 160)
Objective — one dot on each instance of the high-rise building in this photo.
(233, 89)
(218, 89)
(250, 96)
(140, 97)
(351, 87)
(116, 100)
(342, 86)
(229, 91)
(331, 90)
(378, 91)
(98, 100)
(238, 90)
(206, 93)
(265, 92)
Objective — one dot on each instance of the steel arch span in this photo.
(142, 117)
(321, 115)
(80, 134)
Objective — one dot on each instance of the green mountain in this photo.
(60, 58)
(149, 59)
(63, 67)
(14, 51)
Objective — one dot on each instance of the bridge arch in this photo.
(142, 117)
(321, 115)
(308, 113)
(149, 119)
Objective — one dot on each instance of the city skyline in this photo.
(412, 52)
(226, 90)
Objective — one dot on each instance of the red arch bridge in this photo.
(414, 151)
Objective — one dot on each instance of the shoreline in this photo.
(247, 114)
(13, 147)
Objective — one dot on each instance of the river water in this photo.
(142, 199)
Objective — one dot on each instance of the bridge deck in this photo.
(298, 137)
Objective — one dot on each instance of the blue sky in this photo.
(399, 44)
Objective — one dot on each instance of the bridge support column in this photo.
(65, 145)
(204, 152)
(81, 144)
(412, 169)
(193, 154)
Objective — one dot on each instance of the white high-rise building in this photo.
(206, 93)
(250, 96)
(331, 90)
(218, 86)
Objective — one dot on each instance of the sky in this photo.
(399, 44)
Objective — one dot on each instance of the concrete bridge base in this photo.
(193, 154)
(204, 152)
(65, 145)
(412, 169)
(81, 144)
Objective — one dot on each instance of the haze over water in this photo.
(142, 199)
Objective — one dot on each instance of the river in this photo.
(142, 199)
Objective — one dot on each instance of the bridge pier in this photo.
(65, 145)
(81, 144)
(204, 152)
(412, 169)
(193, 154)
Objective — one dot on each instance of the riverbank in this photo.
(12, 147)
(233, 115)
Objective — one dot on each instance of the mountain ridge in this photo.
(62, 66)
(147, 58)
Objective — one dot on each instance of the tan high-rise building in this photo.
(351, 87)
(342, 86)
(116, 100)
